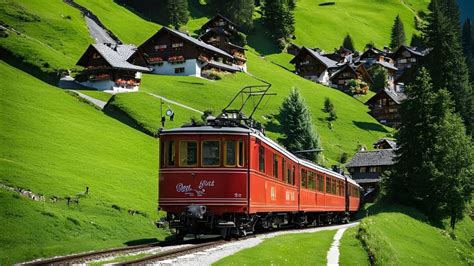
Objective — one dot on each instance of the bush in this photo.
(212, 74)
(357, 86)
(344, 157)
(332, 115)
(328, 105)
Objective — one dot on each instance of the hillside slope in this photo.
(56, 146)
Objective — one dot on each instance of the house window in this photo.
(261, 159)
(211, 155)
(402, 61)
(275, 165)
(95, 56)
(362, 169)
(179, 70)
(188, 153)
(413, 60)
(392, 110)
(160, 47)
(177, 46)
(373, 169)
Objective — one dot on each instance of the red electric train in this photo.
(230, 179)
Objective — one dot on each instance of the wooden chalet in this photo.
(111, 67)
(385, 143)
(407, 58)
(342, 77)
(312, 65)
(367, 166)
(170, 52)
(384, 106)
(222, 33)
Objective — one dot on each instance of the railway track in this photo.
(95, 255)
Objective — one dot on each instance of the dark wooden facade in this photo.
(343, 76)
(306, 65)
(385, 105)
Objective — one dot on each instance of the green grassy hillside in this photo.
(367, 20)
(49, 36)
(396, 235)
(55, 145)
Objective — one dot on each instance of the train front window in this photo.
(275, 165)
(240, 161)
(230, 153)
(211, 155)
(261, 159)
(168, 153)
(188, 153)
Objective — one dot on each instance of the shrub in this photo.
(344, 157)
(328, 105)
(212, 74)
(357, 86)
(332, 115)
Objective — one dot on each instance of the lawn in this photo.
(397, 235)
(291, 249)
(99, 95)
(53, 35)
(56, 146)
(351, 250)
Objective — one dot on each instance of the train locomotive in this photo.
(226, 177)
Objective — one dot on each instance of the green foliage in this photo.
(398, 34)
(279, 19)
(297, 126)
(177, 12)
(380, 77)
(344, 157)
(468, 45)
(238, 11)
(348, 43)
(328, 105)
(332, 115)
(435, 159)
(446, 62)
(291, 249)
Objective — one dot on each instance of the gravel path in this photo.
(333, 253)
(95, 101)
(209, 256)
(97, 32)
(175, 103)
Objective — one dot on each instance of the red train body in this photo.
(234, 180)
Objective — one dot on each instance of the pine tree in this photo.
(398, 34)
(238, 11)
(348, 43)
(435, 157)
(446, 62)
(295, 119)
(278, 18)
(177, 11)
(468, 45)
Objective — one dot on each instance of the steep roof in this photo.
(192, 40)
(115, 56)
(372, 158)
(321, 58)
(390, 142)
(231, 68)
(413, 50)
(386, 65)
(397, 97)
(217, 17)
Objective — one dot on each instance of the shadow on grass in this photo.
(261, 40)
(140, 241)
(192, 83)
(370, 126)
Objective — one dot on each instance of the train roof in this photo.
(257, 134)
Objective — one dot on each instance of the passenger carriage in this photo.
(234, 180)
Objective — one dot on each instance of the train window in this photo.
(328, 185)
(293, 171)
(230, 154)
(321, 183)
(240, 157)
(211, 153)
(333, 187)
(283, 170)
(304, 176)
(169, 153)
(288, 174)
(311, 183)
(261, 159)
(188, 153)
(275, 165)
